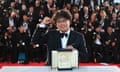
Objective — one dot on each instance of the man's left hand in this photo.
(70, 47)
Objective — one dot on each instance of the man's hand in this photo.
(107, 42)
(113, 44)
(18, 44)
(46, 20)
(70, 47)
(35, 45)
(0, 25)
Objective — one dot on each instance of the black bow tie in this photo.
(63, 34)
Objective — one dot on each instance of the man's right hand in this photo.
(46, 20)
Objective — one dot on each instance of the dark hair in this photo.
(62, 14)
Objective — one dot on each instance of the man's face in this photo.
(63, 24)
(109, 30)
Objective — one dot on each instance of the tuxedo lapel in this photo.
(71, 38)
(58, 40)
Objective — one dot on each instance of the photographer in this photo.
(21, 45)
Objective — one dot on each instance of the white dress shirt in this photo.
(64, 40)
(11, 22)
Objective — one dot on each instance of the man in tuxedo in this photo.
(60, 38)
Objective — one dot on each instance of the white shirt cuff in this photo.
(42, 25)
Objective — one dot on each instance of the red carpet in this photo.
(43, 63)
(98, 64)
(16, 64)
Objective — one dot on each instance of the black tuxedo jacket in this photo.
(53, 41)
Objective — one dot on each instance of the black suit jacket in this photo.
(53, 41)
(6, 22)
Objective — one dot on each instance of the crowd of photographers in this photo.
(98, 20)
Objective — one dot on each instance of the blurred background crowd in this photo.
(98, 20)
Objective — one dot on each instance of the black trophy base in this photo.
(64, 69)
